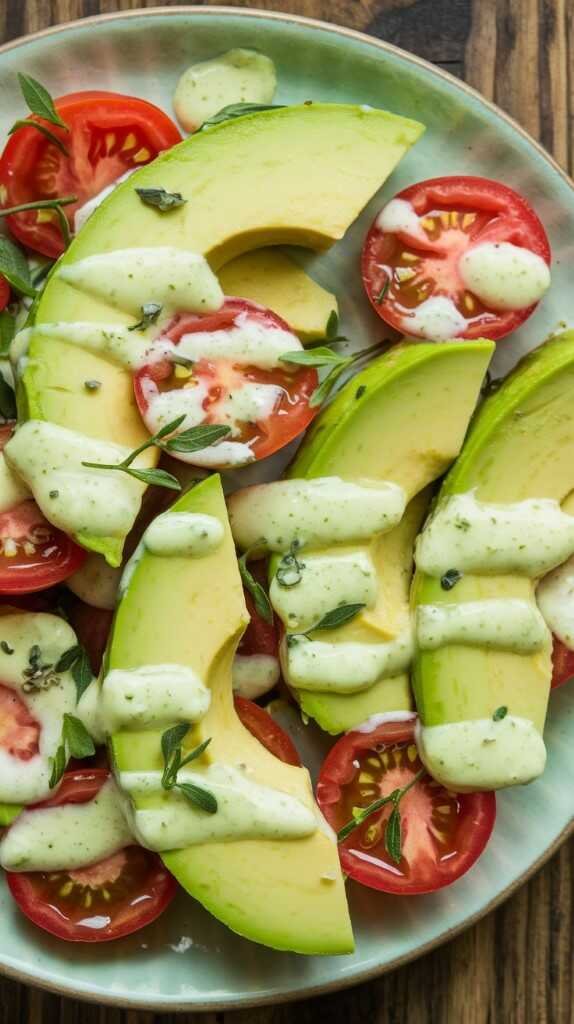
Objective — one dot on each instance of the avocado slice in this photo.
(288, 894)
(270, 277)
(520, 446)
(241, 192)
(402, 419)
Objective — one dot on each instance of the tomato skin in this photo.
(56, 556)
(289, 419)
(4, 293)
(265, 729)
(32, 168)
(562, 663)
(260, 637)
(475, 815)
(504, 216)
(144, 893)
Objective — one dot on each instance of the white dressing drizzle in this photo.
(246, 810)
(436, 319)
(183, 534)
(527, 537)
(316, 513)
(13, 490)
(254, 674)
(399, 217)
(504, 276)
(74, 498)
(150, 696)
(248, 343)
(555, 598)
(326, 581)
(113, 342)
(506, 624)
(482, 753)
(238, 76)
(344, 667)
(71, 836)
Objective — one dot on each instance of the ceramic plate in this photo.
(187, 959)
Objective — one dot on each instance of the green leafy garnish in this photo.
(199, 796)
(290, 569)
(7, 331)
(162, 200)
(56, 204)
(150, 313)
(76, 660)
(500, 713)
(320, 356)
(381, 296)
(43, 129)
(260, 597)
(332, 328)
(392, 840)
(14, 267)
(7, 400)
(173, 760)
(393, 837)
(332, 619)
(450, 579)
(6, 647)
(76, 742)
(39, 101)
(234, 110)
(324, 356)
(188, 441)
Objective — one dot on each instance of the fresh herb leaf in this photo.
(58, 762)
(43, 129)
(360, 391)
(381, 296)
(14, 267)
(150, 313)
(196, 438)
(56, 205)
(162, 200)
(290, 569)
(7, 331)
(7, 400)
(322, 392)
(450, 579)
(6, 647)
(38, 100)
(234, 110)
(320, 356)
(67, 659)
(393, 836)
(41, 273)
(171, 741)
(77, 738)
(76, 660)
(196, 752)
(155, 477)
(260, 598)
(500, 713)
(337, 617)
(198, 796)
(332, 328)
(393, 798)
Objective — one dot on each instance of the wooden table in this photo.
(516, 966)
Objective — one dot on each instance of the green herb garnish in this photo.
(258, 593)
(160, 199)
(324, 356)
(150, 313)
(234, 110)
(39, 101)
(360, 391)
(394, 839)
(43, 129)
(450, 579)
(6, 647)
(500, 713)
(7, 331)
(290, 569)
(331, 620)
(173, 760)
(76, 660)
(14, 267)
(7, 400)
(381, 296)
(38, 675)
(76, 742)
(44, 204)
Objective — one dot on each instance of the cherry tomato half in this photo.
(110, 899)
(108, 135)
(265, 729)
(562, 663)
(34, 555)
(443, 833)
(222, 380)
(4, 293)
(402, 270)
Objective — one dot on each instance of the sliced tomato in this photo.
(443, 833)
(221, 379)
(4, 293)
(108, 135)
(265, 729)
(260, 637)
(562, 663)
(403, 270)
(110, 899)
(33, 554)
(19, 730)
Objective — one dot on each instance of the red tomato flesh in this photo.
(443, 833)
(401, 272)
(105, 901)
(562, 663)
(4, 293)
(221, 377)
(265, 729)
(108, 135)
(19, 730)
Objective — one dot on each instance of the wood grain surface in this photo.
(516, 966)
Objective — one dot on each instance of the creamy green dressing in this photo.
(527, 537)
(238, 76)
(555, 599)
(482, 753)
(326, 581)
(12, 489)
(48, 697)
(507, 624)
(314, 513)
(181, 534)
(176, 279)
(152, 696)
(344, 667)
(71, 836)
(96, 582)
(254, 675)
(246, 810)
(78, 500)
(247, 343)
(113, 342)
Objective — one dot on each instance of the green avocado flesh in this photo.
(520, 446)
(288, 894)
(241, 192)
(403, 419)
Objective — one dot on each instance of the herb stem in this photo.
(39, 204)
(393, 798)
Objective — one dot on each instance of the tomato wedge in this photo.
(265, 729)
(411, 257)
(562, 663)
(223, 383)
(110, 899)
(108, 135)
(442, 833)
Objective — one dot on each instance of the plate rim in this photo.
(369, 973)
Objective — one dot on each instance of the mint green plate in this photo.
(187, 960)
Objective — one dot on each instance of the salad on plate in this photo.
(170, 594)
